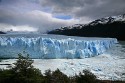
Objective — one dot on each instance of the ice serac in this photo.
(52, 48)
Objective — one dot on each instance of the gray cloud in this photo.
(25, 12)
(39, 14)
(103, 9)
(37, 19)
(87, 8)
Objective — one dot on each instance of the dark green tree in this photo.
(87, 77)
(59, 77)
(22, 72)
(56, 77)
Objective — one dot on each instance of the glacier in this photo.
(53, 47)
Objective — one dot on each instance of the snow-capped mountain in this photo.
(112, 26)
(108, 20)
(2, 32)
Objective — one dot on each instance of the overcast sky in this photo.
(43, 15)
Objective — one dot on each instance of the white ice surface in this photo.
(110, 65)
(53, 47)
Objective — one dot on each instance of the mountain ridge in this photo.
(2, 32)
(112, 26)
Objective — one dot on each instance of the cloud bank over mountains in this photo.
(43, 15)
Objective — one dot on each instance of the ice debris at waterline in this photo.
(46, 47)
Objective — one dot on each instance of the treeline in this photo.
(23, 72)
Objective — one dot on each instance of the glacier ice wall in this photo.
(51, 48)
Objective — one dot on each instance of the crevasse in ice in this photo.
(52, 48)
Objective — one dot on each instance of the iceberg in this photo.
(53, 47)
